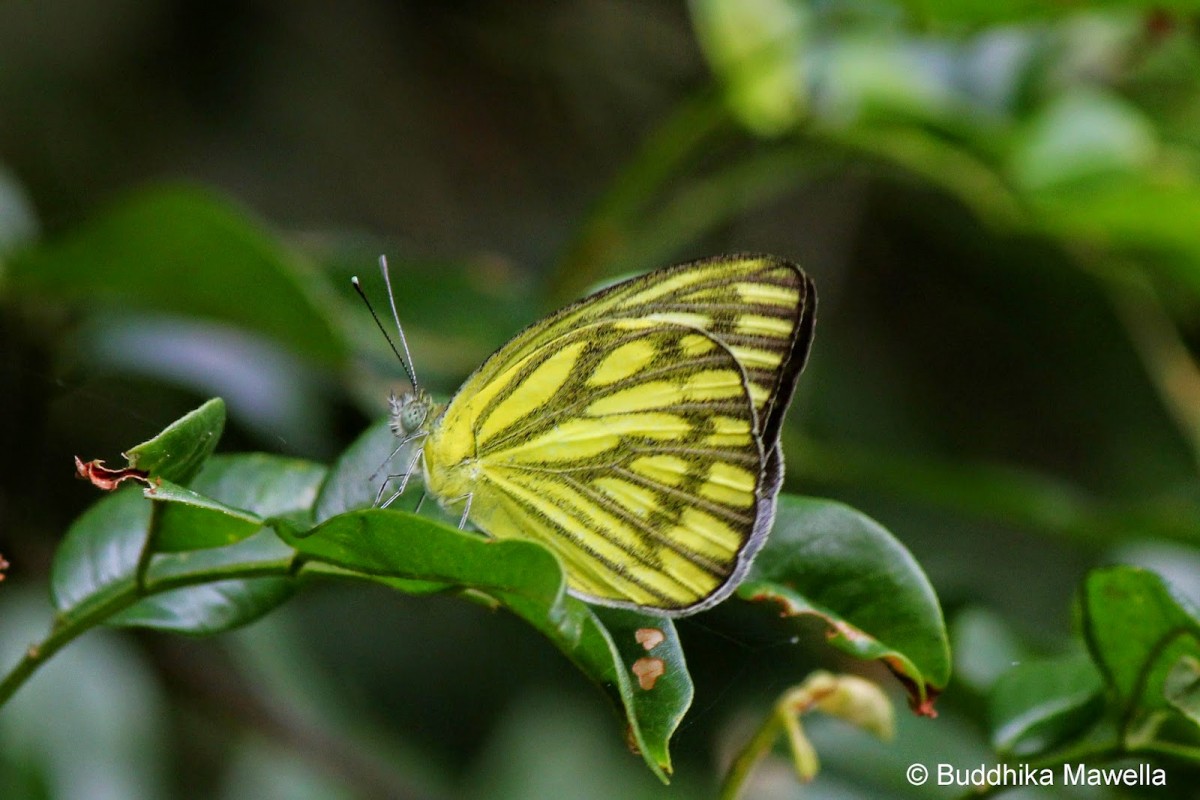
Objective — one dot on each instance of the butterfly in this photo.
(634, 433)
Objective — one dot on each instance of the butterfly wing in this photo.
(635, 433)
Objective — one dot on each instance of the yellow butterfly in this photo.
(634, 433)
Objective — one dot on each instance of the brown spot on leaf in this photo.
(649, 638)
(3, 566)
(842, 628)
(107, 479)
(648, 671)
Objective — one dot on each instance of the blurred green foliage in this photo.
(997, 201)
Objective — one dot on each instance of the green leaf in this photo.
(1042, 703)
(190, 520)
(210, 604)
(1082, 134)
(522, 576)
(263, 485)
(208, 608)
(353, 483)
(355, 478)
(583, 638)
(398, 544)
(232, 496)
(95, 569)
(197, 592)
(827, 560)
(1182, 687)
(212, 251)
(213, 606)
(177, 453)
(1138, 630)
(755, 48)
(97, 558)
(659, 709)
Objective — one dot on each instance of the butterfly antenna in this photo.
(387, 281)
(379, 324)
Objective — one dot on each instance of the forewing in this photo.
(761, 307)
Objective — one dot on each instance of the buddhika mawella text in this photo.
(1069, 775)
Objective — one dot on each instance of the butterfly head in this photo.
(409, 412)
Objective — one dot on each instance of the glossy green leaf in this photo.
(95, 569)
(190, 520)
(354, 480)
(583, 638)
(206, 608)
(827, 560)
(398, 544)
(353, 483)
(180, 450)
(99, 555)
(212, 251)
(264, 486)
(206, 603)
(196, 592)
(1041, 703)
(523, 577)
(232, 496)
(1138, 630)
(660, 708)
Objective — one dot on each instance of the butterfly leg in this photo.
(404, 478)
(392, 454)
(462, 522)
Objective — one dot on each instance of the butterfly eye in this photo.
(408, 413)
(413, 416)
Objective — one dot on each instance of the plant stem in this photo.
(63, 631)
(749, 756)
(1168, 362)
(68, 627)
